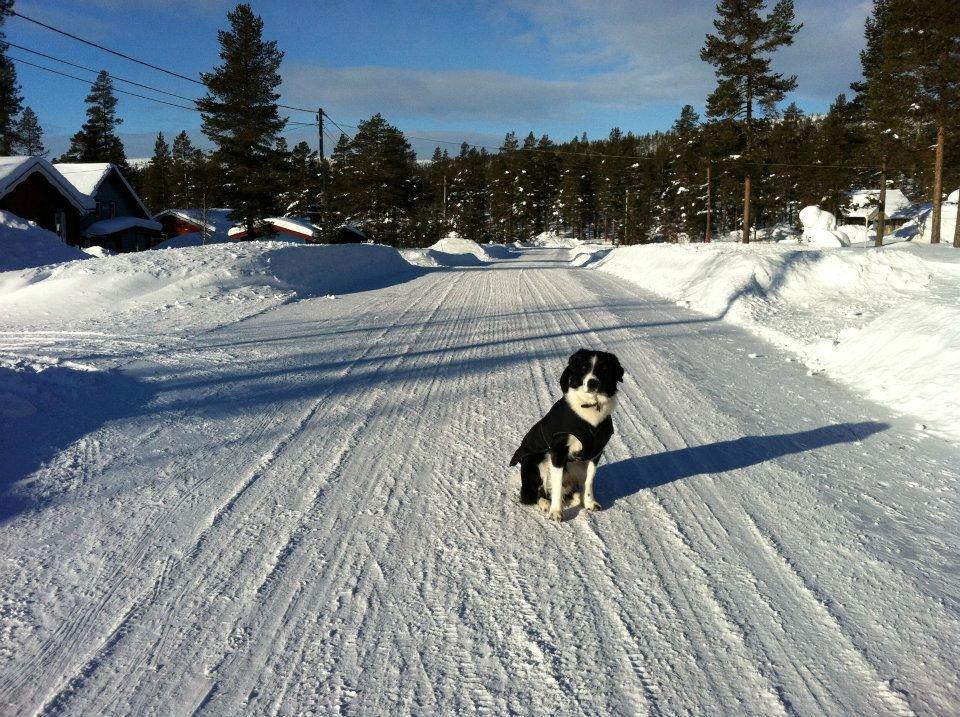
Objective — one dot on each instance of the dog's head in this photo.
(592, 374)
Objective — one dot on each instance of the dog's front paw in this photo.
(556, 515)
(592, 505)
(544, 505)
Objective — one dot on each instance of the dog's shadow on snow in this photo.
(627, 477)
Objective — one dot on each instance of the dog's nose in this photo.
(592, 384)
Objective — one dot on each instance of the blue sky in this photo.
(448, 69)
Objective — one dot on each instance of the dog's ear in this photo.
(565, 379)
(618, 369)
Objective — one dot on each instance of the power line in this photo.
(91, 69)
(88, 81)
(128, 57)
(102, 47)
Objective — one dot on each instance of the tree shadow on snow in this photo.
(45, 412)
(627, 477)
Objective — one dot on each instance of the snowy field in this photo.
(271, 478)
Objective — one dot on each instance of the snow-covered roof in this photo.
(218, 220)
(293, 225)
(864, 202)
(88, 176)
(119, 224)
(14, 170)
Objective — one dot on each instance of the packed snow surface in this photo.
(271, 479)
(23, 244)
(884, 321)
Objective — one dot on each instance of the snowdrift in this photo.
(455, 251)
(552, 240)
(23, 245)
(886, 322)
(242, 278)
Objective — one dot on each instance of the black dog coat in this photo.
(562, 421)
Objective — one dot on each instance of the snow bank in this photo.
(97, 251)
(192, 239)
(23, 245)
(820, 228)
(452, 250)
(202, 286)
(553, 240)
(886, 321)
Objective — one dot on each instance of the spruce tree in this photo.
(240, 115)
(97, 140)
(30, 134)
(182, 164)
(10, 99)
(302, 186)
(157, 180)
(740, 53)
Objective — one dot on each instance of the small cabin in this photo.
(214, 223)
(863, 207)
(119, 220)
(33, 189)
(288, 228)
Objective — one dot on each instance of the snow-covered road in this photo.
(310, 512)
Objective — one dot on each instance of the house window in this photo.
(106, 210)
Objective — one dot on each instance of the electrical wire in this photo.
(128, 57)
(88, 81)
(91, 69)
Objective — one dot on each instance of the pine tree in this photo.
(97, 140)
(157, 180)
(302, 187)
(683, 195)
(740, 52)
(10, 99)
(182, 164)
(375, 183)
(923, 48)
(881, 98)
(240, 115)
(30, 134)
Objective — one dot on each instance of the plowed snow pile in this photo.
(196, 287)
(23, 245)
(885, 321)
(452, 250)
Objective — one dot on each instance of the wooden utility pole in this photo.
(746, 208)
(323, 186)
(882, 208)
(706, 236)
(937, 185)
(626, 213)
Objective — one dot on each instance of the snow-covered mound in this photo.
(97, 252)
(884, 321)
(553, 240)
(820, 228)
(203, 286)
(191, 239)
(454, 250)
(23, 245)
(498, 251)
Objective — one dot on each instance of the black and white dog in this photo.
(558, 457)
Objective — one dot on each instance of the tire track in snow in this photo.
(85, 670)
